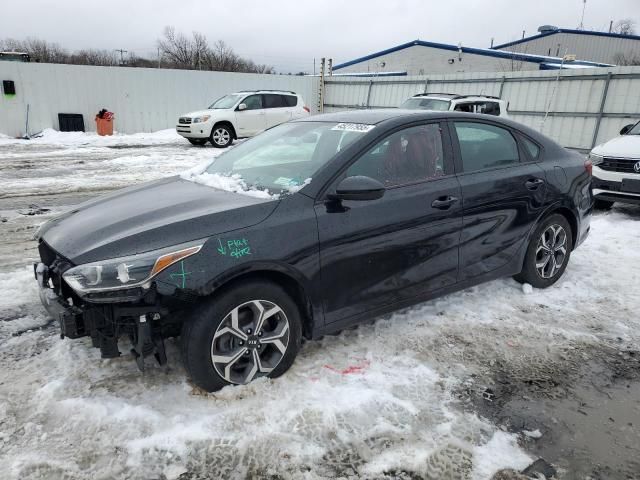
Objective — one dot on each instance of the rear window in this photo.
(290, 100)
(274, 101)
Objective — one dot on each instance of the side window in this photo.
(488, 108)
(408, 156)
(485, 146)
(464, 107)
(290, 100)
(532, 149)
(253, 102)
(273, 101)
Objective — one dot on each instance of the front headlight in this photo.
(126, 272)
(202, 119)
(595, 159)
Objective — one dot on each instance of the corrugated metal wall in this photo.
(143, 99)
(594, 48)
(577, 108)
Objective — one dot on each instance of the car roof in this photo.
(455, 96)
(286, 92)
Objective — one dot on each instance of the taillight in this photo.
(306, 109)
(588, 166)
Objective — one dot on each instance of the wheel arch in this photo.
(285, 276)
(226, 123)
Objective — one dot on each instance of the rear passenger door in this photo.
(276, 109)
(502, 195)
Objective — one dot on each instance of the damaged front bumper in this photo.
(104, 323)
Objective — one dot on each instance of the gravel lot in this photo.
(490, 378)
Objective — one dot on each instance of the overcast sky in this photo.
(290, 33)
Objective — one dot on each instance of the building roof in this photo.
(524, 57)
(568, 30)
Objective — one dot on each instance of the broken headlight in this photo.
(126, 272)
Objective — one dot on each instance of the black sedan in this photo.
(308, 228)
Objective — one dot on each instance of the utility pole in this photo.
(584, 6)
(122, 52)
(321, 92)
(158, 57)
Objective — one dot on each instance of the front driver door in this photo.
(377, 253)
(253, 120)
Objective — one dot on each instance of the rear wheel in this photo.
(250, 331)
(197, 141)
(221, 136)
(548, 252)
(602, 204)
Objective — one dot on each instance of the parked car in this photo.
(458, 103)
(616, 169)
(240, 115)
(341, 217)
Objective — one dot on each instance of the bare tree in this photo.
(625, 59)
(626, 26)
(38, 50)
(94, 57)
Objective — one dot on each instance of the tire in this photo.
(602, 204)
(551, 241)
(221, 136)
(223, 328)
(197, 141)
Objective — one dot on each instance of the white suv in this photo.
(616, 169)
(459, 103)
(239, 115)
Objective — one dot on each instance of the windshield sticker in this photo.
(181, 277)
(353, 127)
(236, 248)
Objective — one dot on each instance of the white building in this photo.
(586, 45)
(421, 58)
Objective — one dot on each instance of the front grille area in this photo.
(184, 120)
(623, 165)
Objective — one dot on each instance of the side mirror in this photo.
(242, 106)
(358, 188)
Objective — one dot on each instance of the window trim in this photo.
(447, 148)
(458, 153)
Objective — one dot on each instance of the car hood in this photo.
(150, 216)
(627, 146)
(199, 113)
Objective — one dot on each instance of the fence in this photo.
(577, 108)
(143, 99)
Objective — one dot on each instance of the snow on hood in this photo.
(234, 183)
(199, 113)
(627, 146)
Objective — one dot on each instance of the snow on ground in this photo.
(379, 401)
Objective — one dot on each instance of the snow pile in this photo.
(50, 136)
(231, 183)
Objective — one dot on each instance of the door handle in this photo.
(533, 183)
(443, 203)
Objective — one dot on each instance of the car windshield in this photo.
(426, 104)
(284, 158)
(227, 101)
(635, 130)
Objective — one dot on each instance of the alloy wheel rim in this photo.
(221, 136)
(250, 341)
(551, 251)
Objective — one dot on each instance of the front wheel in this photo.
(250, 331)
(548, 252)
(221, 136)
